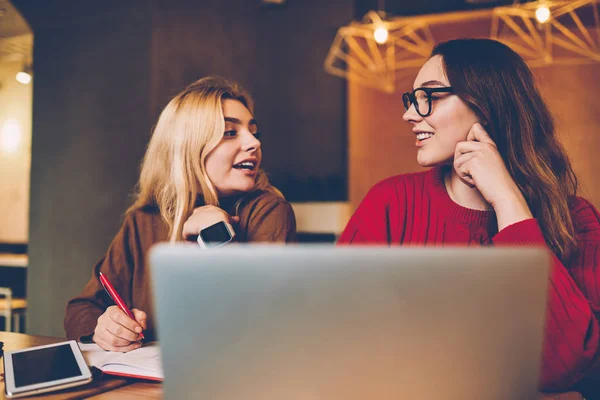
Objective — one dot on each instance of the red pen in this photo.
(116, 298)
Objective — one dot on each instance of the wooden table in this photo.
(115, 388)
(136, 390)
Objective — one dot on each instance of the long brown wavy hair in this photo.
(173, 174)
(499, 87)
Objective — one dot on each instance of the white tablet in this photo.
(44, 368)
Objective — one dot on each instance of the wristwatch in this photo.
(216, 235)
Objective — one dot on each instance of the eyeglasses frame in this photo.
(429, 91)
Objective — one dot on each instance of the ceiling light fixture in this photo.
(360, 54)
(372, 50)
(381, 35)
(24, 76)
(567, 31)
(542, 14)
(543, 32)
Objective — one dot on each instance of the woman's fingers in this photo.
(140, 317)
(103, 334)
(477, 133)
(461, 160)
(464, 152)
(107, 345)
(115, 330)
(462, 167)
(467, 147)
(478, 143)
(123, 326)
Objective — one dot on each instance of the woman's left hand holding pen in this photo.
(115, 331)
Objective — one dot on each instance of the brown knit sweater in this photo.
(264, 217)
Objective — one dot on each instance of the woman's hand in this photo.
(478, 164)
(203, 217)
(115, 331)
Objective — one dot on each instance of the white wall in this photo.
(15, 154)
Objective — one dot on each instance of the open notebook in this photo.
(144, 362)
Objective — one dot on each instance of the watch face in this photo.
(215, 235)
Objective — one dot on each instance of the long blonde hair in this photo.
(173, 173)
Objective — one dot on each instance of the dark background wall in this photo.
(277, 53)
(102, 73)
(409, 7)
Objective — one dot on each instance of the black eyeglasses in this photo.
(421, 99)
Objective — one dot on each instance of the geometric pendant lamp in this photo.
(371, 51)
(548, 32)
(544, 32)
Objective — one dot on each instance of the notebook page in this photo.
(145, 358)
(94, 355)
(145, 361)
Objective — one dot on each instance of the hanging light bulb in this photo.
(380, 35)
(23, 77)
(542, 14)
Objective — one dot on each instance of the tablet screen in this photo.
(44, 365)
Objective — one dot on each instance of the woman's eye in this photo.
(230, 133)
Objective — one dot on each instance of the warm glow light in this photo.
(380, 35)
(542, 14)
(23, 77)
(10, 136)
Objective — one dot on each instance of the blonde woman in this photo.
(201, 170)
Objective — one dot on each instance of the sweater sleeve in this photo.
(370, 223)
(83, 311)
(572, 334)
(272, 220)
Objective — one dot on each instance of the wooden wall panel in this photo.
(380, 144)
(572, 95)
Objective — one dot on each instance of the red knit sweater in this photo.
(415, 209)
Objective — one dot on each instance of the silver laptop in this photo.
(275, 323)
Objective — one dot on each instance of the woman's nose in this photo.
(411, 115)
(251, 143)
